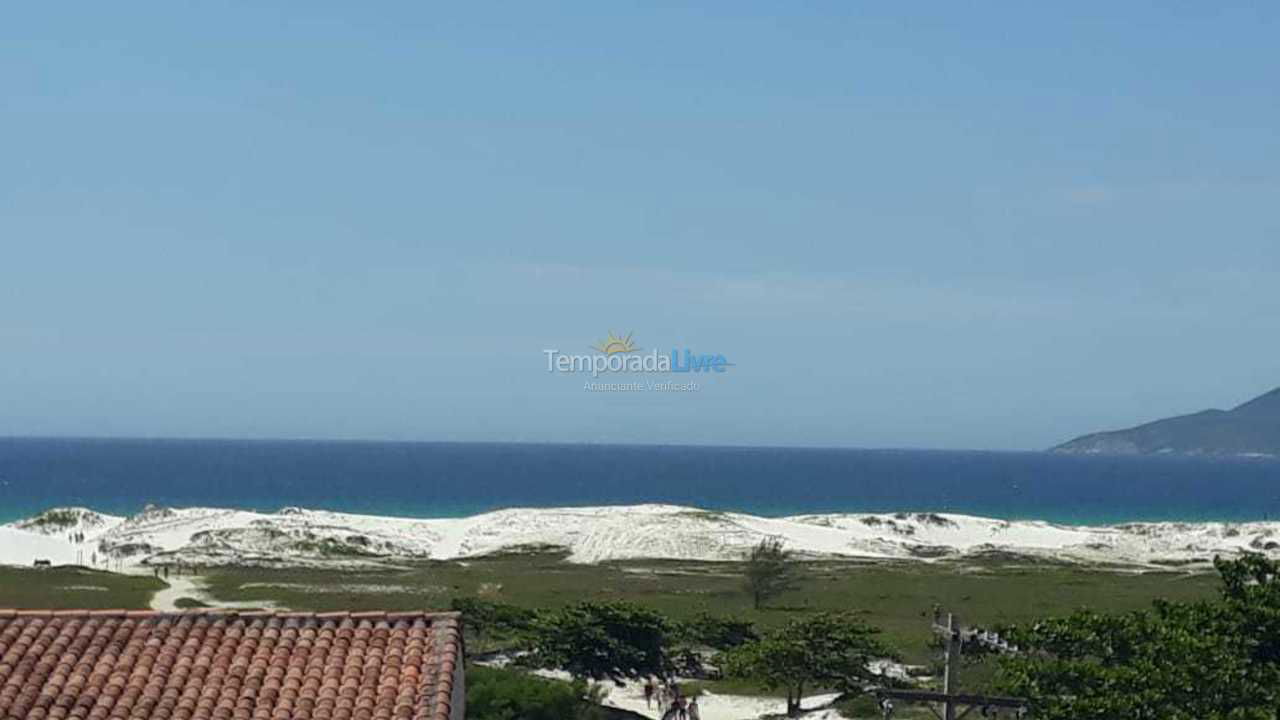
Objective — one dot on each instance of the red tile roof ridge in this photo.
(233, 612)
(449, 650)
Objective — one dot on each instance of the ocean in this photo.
(457, 479)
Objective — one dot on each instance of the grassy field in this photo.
(898, 598)
(895, 597)
(70, 587)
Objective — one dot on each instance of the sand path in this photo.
(179, 587)
(714, 706)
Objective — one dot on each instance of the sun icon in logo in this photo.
(614, 344)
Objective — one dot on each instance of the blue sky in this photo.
(991, 226)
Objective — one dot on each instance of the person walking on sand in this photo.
(693, 711)
(681, 712)
(671, 712)
(648, 692)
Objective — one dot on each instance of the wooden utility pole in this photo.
(957, 705)
(953, 652)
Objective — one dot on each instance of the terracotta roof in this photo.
(226, 665)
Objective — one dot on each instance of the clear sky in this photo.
(952, 225)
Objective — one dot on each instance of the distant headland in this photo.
(1248, 430)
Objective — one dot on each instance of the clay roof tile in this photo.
(227, 665)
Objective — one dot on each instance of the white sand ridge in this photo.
(295, 536)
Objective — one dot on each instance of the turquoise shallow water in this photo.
(453, 479)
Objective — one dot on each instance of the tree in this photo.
(829, 649)
(697, 640)
(770, 571)
(1212, 660)
(487, 619)
(719, 633)
(603, 640)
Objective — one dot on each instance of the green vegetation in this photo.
(487, 622)
(769, 572)
(859, 706)
(1124, 656)
(354, 546)
(1208, 660)
(719, 633)
(827, 650)
(188, 603)
(692, 689)
(74, 587)
(602, 641)
(54, 519)
(895, 597)
(497, 694)
(868, 706)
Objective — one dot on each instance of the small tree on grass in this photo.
(828, 650)
(603, 640)
(770, 571)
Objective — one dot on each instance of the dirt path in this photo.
(722, 707)
(179, 587)
(192, 586)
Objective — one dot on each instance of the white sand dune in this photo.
(293, 536)
(23, 547)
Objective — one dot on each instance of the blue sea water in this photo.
(453, 479)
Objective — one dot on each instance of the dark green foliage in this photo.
(500, 694)
(485, 619)
(1211, 660)
(699, 637)
(56, 518)
(859, 706)
(831, 650)
(603, 641)
(716, 632)
(770, 571)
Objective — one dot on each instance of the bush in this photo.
(487, 620)
(500, 694)
(692, 689)
(858, 706)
